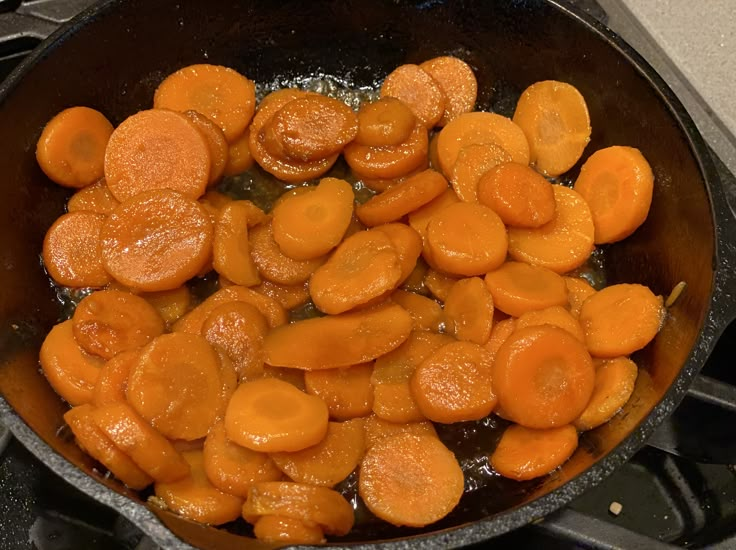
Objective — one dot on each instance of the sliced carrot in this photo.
(71, 250)
(93, 198)
(578, 290)
(426, 314)
(561, 244)
(386, 122)
(216, 200)
(614, 383)
(415, 281)
(295, 377)
(377, 429)
(420, 217)
(113, 379)
(150, 450)
(230, 247)
(96, 444)
(457, 81)
(557, 316)
(543, 377)
(518, 194)
(338, 340)
(419, 91)
(216, 143)
(399, 473)
(347, 391)
(71, 149)
(331, 460)
(468, 313)
(465, 239)
(170, 304)
(281, 529)
(195, 498)
(617, 183)
(406, 242)
(525, 453)
(621, 319)
(389, 162)
(402, 198)
(473, 161)
(499, 333)
(439, 284)
(221, 94)
(270, 415)
(517, 287)
(239, 157)
(289, 296)
(309, 225)
(454, 384)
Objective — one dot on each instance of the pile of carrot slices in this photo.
(452, 293)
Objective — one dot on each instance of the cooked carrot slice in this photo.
(93, 198)
(281, 529)
(556, 123)
(71, 372)
(439, 284)
(363, 267)
(271, 415)
(170, 304)
(561, 244)
(389, 162)
(426, 314)
(150, 450)
(617, 183)
(113, 379)
(454, 384)
(195, 498)
(230, 247)
(614, 383)
(308, 503)
(578, 290)
(525, 453)
(309, 225)
(517, 287)
(621, 319)
(499, 333)
(110, 321)
(331, 460)
(543, 377)
(289, 296)
(377, 429)
(347, 391)
(465, 239)
(239, 157)
(221, 94)
(216, 143)
(402, 198)
(468, 313)
(338, 340)
(96, 444)
(478, 127)
(557, 316)
(415, 281)
(71, 250)
(295, 377)
(386, 122)
(157, 240)
(71, 149)
(420, 217)
(457, 81)
(399, 473)
(419, 91)
(518, 194)
(473, 161)
(406, 242)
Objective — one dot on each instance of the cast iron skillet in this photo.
(113, 56)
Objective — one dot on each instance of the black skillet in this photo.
(113, 56)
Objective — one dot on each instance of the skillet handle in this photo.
(37, 20)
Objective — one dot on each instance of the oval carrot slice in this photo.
(215, 140)
(93, 198)
(398, 473)
(621, 319)
(281, 529)
(386, 122)
(578, 290)
(338, 340)
(468, 313)
(419, 218)
(377, 429)
(406, 242)
(473, 161)
(113, 379)
(239, 157)
(557, 316)
(71, 149)
(389, 162)
(419, 91)
(457, 81)
(499, 333)
(543, 377)
(274, 265)
(614, 383)
(71, 252)
(426, 314)
(617, 183)
(289, 296)
(230, 247)
(170, 304)
(526, 453)
(439, 284)
(517, 287)
(347, 391)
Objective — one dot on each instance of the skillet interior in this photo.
(115, 63)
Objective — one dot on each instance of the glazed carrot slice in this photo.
(71, 372)
(271, 415)
(556, 123)
(71, 252)
(239, 157)
(621, 319)
(478, 127)
(557, 316)
(308, 503)
(518, 194)
(215, 140)
(338, 340)
(406, 242)
(274, 265)
(347, 391)
(457, 81)
(578, 290)
(439, 284)
(309, 225)
(561, 244)
(386, 122)
(468, 313)
(157, 240)
(473, 161)
(93, 198)
(415, 281)
(363, 267)
(454, 384)
(170, 304)
(426, 314)
(221, 94)
(389, 162)
(402, 198)
(377, 429)
(617, 183)
(543, 377)
(96, 444)
(419, 218)
(230, 247)
(281, 529)
(419, 91)
(289, 296)
(71, 149)
(614, 383)
(156, 149)
(195, 498)
(525, 453)
(113, 379)
(331, 460)
(465, 239)
(499, 333)
(295, 377)
(398, 473)
(150, 450)
(517, 287)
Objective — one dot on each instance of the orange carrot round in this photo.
(500, 332)
(239, 157)
(457, 81)
(386, 122)
(388, 162)
(281, 529)
(289, 296)
(614, 383)
(439, 284)
(216, 143)
(113, 379)
(377, 429)
(347, 391)
(525, 453)
(419, 218)
(468, 312)
(419, 91)
(517, 287)
(473, 161)
(554, 315)
(170, 304)
(406, 242)
(230, 247)
(578, 290)
(426, 314)
(93, 198)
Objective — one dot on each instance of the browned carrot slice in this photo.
(426, 314)
(398, 473)
(289, 296)
(93, 198)
(468, 313)
(420, 217)
(555, 315)
(377, 429)
(419, 91)
(499, 333)
(230, 247)
(113, 379)
(578, 290)
(408, 245)
(239, 158)
(170, 304)
(281, 529)
(389, 162)
(386, 122)
(473, 161)
(526, 453)
(216, 143)
(439, 284)
(517, 287)
(457, 81)
(614, 383)
(347, 391)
